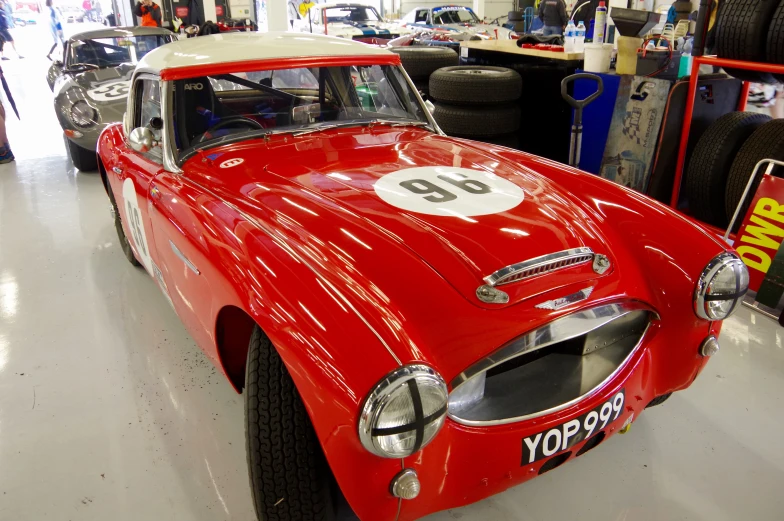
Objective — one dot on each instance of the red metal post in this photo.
(744, 95)
(690, 95)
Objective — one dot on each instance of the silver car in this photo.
(90, 85)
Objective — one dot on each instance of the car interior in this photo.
(209, 108)
(110, 52)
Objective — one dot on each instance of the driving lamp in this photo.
(403, 412)
(83, 115)
(721, 287)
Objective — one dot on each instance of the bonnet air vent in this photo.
(540, 265)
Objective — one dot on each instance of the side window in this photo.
(421, 16)
(148, 106)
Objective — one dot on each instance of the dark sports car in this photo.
(90, 85)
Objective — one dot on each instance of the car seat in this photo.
(197, 110)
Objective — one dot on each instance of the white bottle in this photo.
(579, 41)
(569, 37)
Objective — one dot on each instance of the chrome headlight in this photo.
(404, 412)
(83, 115)
(722, 285)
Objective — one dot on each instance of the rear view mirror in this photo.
(141, 140)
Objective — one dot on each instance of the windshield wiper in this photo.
(75, 66)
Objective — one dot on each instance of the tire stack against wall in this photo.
(420, 62)
(725, 156)
(478, 103)
(723, 160)
(750, 30)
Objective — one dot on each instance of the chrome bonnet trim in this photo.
(596, 389)
(565, 328)
(539, 265)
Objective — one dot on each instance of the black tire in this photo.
(515, 16)
(420, 61)
(422, 86)
(658, 400)
(774, 48)
(709, 166)
(470, 85)
(285, 460)
(767, 142)
(84, 160)
(124, 243)
(477, 122)
(742, 32)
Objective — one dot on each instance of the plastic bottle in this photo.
(569, 37)
(579, 40)
(599, 23)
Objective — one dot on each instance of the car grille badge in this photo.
(565, 301)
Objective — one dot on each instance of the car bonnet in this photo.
(483, 213)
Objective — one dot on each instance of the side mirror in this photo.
(58, 64)
(142, 140)
(430, 107)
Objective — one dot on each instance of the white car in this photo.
(352, 21)
(454, 18)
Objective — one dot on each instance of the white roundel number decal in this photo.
(134, 222)
(448, 191)
(110, 91)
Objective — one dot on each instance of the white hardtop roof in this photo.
(248, 46)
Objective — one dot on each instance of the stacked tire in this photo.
(751, 30)
(420, 62)
(723, 161)
(478, 103)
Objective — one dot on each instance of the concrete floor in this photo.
(109, 411)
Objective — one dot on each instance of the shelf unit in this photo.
(692, 93)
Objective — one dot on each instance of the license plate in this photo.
(566, 435)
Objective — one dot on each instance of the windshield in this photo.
(454, 15)
(352, 14)
(213, 110)
(100, 53)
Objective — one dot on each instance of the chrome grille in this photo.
(539, 265)
(551, 367)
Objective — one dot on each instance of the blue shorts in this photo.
(6, 35)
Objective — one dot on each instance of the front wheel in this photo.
(84, 160)
(289, 476)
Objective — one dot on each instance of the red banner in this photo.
(182, 12)
(761, 235)
(219, 10)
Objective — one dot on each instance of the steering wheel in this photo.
(228, 121)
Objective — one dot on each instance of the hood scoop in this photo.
(537, 266)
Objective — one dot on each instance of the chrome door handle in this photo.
(117, 170)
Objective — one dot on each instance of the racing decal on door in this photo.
(110, 91)
(568, 434)
(135, 224)
(448, 191)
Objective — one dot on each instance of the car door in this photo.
(136, 170)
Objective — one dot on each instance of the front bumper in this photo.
(467, 464)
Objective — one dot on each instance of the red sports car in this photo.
(418, 322)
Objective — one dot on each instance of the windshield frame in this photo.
(179, 157)
(334, 19)
(70, 65)
(474, 18)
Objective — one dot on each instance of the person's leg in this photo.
(6, 156)
(10, 39)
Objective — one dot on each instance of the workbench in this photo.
(546, 117)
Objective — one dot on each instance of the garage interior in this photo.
(109, 409)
